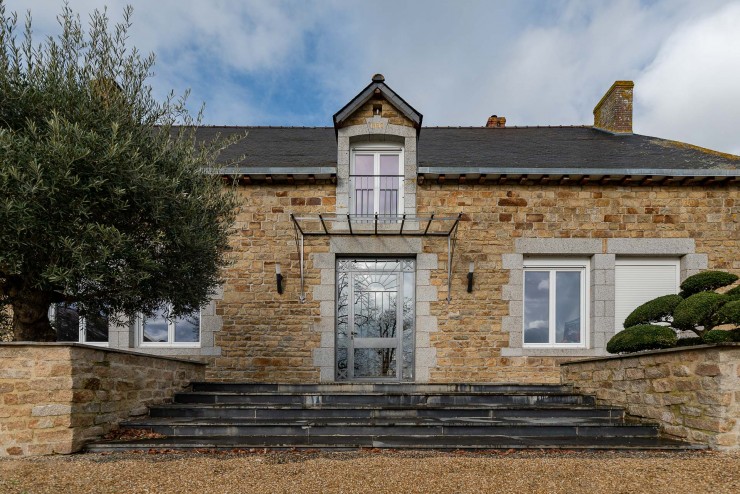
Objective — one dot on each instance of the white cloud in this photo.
(543, 285)
(690, 91)
(538, 324)
(536, 63)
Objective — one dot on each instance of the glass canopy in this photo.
(376, 224)
(317, 225)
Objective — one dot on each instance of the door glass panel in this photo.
(407, 343)
(342, 335)
(568, 307)
(375, 305)
(536, 306)
(375, 319)
(375, 362)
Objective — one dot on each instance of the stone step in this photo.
(315, 400)
(335, 442)
(396, 388)
(405, 428)
(385, 415)
(259, 412)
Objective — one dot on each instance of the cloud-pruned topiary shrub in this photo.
(689, 341)
(720, 336)
(698, 308)
(642, 337)
(729, 313)
(697, 312)
(733, 293)
(706, 281)
(657, 310)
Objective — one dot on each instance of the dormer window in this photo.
(376, 180)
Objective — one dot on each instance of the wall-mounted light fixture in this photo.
(471, 269)
(279, 277)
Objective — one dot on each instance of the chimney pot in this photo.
(613, 112)
(496, 122)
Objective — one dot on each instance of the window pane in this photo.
(363, 184)
(568, 307)
(96, 329)
(389, 184)
(536, 306)
(155, 328)
(187, 329)
(66, 322)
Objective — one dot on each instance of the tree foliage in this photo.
(107, 202)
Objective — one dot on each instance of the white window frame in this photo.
(645, 261)
(377, 150)
(553, 265)
(82, 330)
(170, 343)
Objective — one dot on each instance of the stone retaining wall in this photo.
(693, 393)
(55, 397)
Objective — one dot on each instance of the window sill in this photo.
(168, 345)
(552, 352)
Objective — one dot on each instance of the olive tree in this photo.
(106, 200)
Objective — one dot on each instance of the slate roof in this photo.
(458, 148)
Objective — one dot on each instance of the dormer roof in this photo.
(378, 87)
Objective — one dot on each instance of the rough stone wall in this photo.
(694, 393)
(56, 397)
(469, 339)
(360, 116)
(614, 111)
(265, 336)
(270, 337)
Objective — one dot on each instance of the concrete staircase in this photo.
(418, 416)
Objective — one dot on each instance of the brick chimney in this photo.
(496, 122)
(614, 112)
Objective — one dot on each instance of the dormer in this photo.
(377, 132)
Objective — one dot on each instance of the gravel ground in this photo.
(376, 471)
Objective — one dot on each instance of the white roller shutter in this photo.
(639, 280)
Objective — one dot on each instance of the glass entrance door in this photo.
(375, 319)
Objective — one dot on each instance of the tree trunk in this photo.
(31, 317)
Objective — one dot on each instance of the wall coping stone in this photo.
(98, 348)
(652, 352)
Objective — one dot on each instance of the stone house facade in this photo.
(382, 250)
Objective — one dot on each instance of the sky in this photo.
(297, 62)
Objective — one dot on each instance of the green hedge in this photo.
(642, 337)
(697, 310)
(705, 282)
(655, 310)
